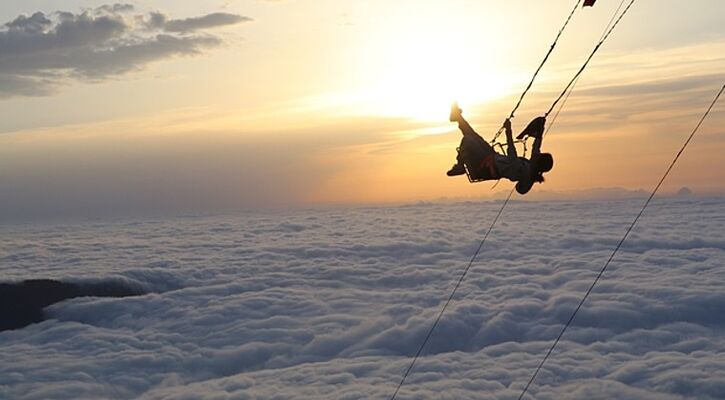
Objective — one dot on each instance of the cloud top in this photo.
(332, 304)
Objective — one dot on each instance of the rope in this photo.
(596, 48)
(553, 120)
(616, 249)
(480, 246)
(612, 19)
(605, 33)
(541, 65)
(561, 106)
(546, 57)
(450, 298)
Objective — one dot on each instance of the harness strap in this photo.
(489, 163)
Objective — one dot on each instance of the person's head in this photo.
(542, 163)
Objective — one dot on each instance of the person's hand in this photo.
(507, 124)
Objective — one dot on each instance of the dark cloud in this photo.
(12, 85)
(35, 23)
(193, 24)
(115, 8)
(40, 52)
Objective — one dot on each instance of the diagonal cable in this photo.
(616, 249)
(463, 275)
(450, 298)
(538, 69)
(546, 57)
(591, 55)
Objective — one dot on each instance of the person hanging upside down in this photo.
(484, 163)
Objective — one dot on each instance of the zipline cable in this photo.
(465, 271)
(584, 66)
(616, 249)
(616, 12)
(556, 115)
(561, 106)
(450, 298)
(505, 203)
(546, 57)
(541, 65)
(570, 86)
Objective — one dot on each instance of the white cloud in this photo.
(331, 304)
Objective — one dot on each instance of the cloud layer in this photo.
(40, 52)
(331, 304)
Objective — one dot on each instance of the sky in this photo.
(187, 106)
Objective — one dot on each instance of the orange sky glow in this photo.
(305, 103)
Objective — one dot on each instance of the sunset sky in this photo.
(205, 106)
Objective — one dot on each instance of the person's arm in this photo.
(536, 150)
(510, 146)
(535, 128)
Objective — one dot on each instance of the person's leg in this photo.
(473, 148)
(475, 153)
(463, 125)
(476, 150)
(466, 128)
(473, 140)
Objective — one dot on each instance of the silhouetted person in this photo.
(484, 163)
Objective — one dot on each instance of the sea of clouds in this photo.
(333, 303)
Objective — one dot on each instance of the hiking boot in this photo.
(457, 169)
(455, 113)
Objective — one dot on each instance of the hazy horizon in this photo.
(125, 213)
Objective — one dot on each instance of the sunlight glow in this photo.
(426, 74)
(425, 63)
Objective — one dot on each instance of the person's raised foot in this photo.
(455, 113)
(457, 169)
